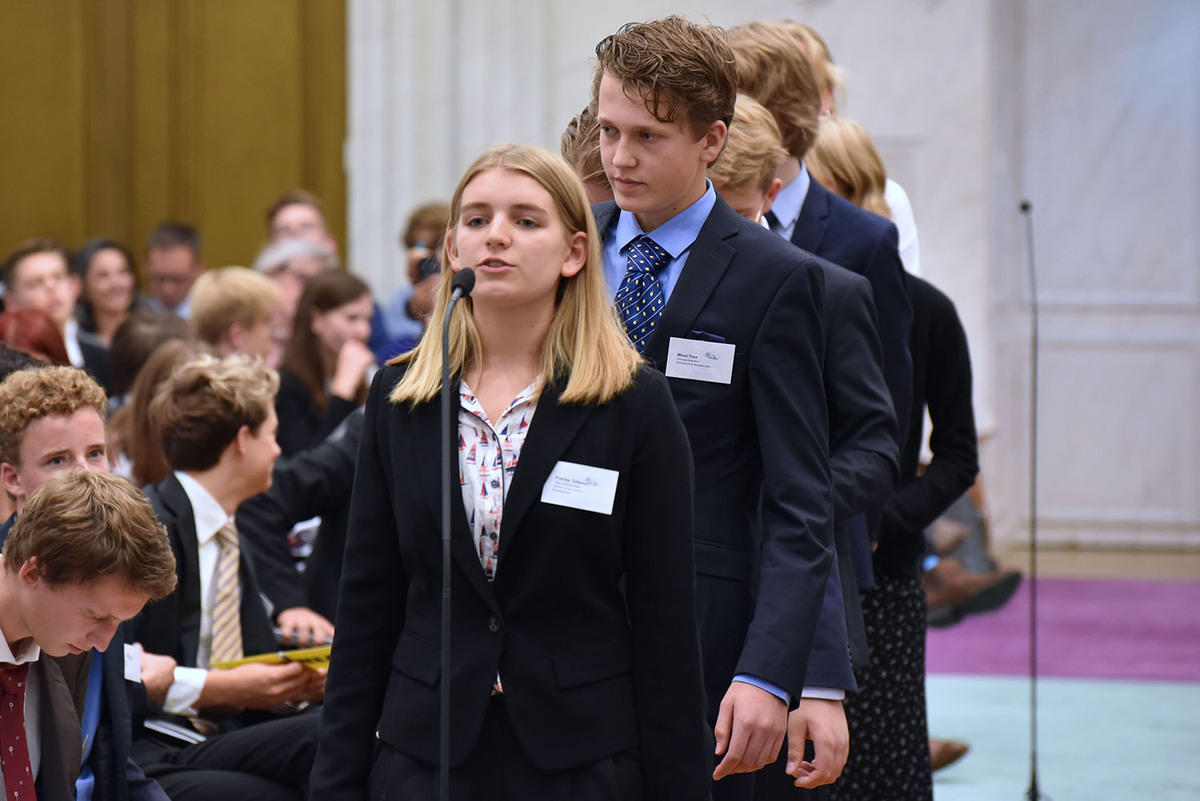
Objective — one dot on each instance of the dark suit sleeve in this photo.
(300, 426)
(676, 743)
(315, 482)
(865, 455)
(796, 549)
(895, 315)
(952, 439)
(370, 616)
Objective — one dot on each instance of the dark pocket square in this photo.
(705, 336)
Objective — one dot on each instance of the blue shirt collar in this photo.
(675, 235)
(790, 199)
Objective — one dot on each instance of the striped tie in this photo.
(640, 298)
(227, 618)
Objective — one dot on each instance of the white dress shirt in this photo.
(210, 518)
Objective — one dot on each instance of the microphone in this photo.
(461, 286)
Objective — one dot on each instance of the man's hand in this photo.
(158, 673)
(751, 724)
(256, 686)
(824, 722)
(302, 627)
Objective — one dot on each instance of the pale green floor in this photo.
(1099, 740)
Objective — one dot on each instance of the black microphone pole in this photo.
(1033, 793)
(463, 283)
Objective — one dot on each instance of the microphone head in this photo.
(1025, 206)
(464, 280)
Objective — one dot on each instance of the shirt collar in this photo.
(790, 199)
(675, 235)
(28, 652)
(210, 517)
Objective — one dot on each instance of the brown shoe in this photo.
(945, 752)
(952, 592)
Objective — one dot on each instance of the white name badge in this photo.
(581, 486)
(700, 360)
(133, 662)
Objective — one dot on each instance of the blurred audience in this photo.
(173, 262)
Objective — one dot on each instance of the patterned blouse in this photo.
(487, 458)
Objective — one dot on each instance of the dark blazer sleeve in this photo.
(953, 439)
(301, 426)
(864, 458)
(675, 741)
(886, 273)
(315, 482)
(796, 549)
(370, 616)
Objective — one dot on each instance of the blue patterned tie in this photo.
(640, 299)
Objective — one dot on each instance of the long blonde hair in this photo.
(844, 161)
(585, 344)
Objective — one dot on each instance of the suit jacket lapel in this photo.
(708, 259)
(426, 425)
(812, 224)
(188, 556)
(62, 748)
(553, 428)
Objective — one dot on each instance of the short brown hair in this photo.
(199, 409)
(230, 295)
(429, 216)
(295, 197)
(676, 66)
(828, 74)
(752, 150)
(772, 68)
(29, 395)
(83, 526)
(174, 234)
(27, 248)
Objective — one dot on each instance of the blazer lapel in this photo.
(188, 556)
(62, 748)
(812, 225)
(426, 424)
(708, 259)
(553, 428)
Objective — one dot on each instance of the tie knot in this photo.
(645, 255)
(227, 536)
(12, 678)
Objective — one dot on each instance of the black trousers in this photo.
(499, 770)
(267, 761)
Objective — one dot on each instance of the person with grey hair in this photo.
(290, 263)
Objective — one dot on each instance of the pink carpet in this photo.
(1138, 630)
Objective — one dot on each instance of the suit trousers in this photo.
(267, 761)
(499, 770)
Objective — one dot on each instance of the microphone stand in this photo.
(1033, 793)
(463, 283)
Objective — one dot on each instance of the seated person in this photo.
(51, 422)
(216, 420)
(85, 554)
(236, 310)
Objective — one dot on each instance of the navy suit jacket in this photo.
(760, 444)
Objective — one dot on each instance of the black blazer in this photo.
(759, 443)
(864, 462)
(589, 622)
(61, 742)
(301, 425)
(171, 626)
(314, 482)
(835, 229)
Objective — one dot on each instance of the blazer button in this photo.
(493, 624)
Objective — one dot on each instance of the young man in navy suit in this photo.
(732, 316)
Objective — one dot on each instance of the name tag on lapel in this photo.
(581, 486)
(700, 360)
(133, 662)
